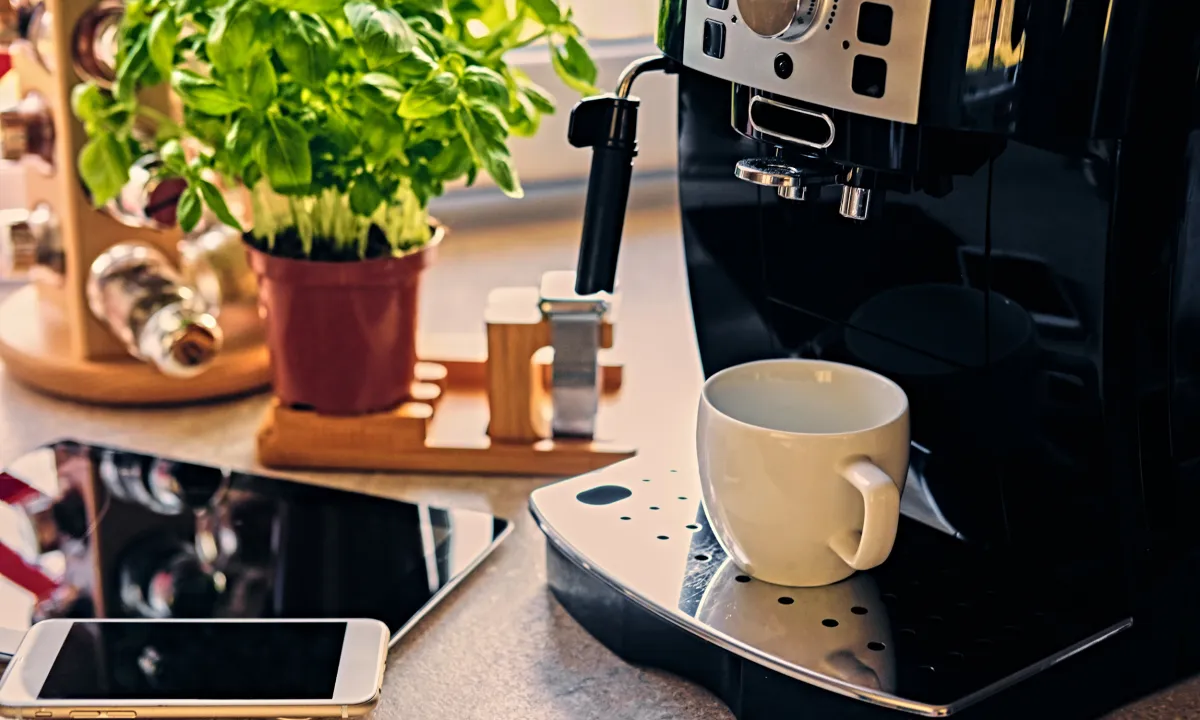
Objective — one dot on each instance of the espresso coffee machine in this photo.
(994, 203)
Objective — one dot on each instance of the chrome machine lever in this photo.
(791, 182)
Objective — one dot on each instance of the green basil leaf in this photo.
(90, 104)
(131, 68)
(173, 157)
(382, 35)
(579, 61)
(233, 39)
(425, 150)
(202, 94)
(486, 83)
(216, 202)
(339, 133)
(380, 133)
(429, 38)
(365, 195)
(135, 13)
(207, 128)
(284, 155)
(316, 7)
(414, 67)
(424, 6)
(574, 66)
(241, 140)
(452, 161)
(104, 167)
(499, 165)
(306, 48)
(439, 128)
(469, 131)
(164, 32)
(465, 9)
(261, 85)
(454, 64)
(183, 8)
(189, 209)
(547, 12)
(495, 13)
(382, 92)
(505, 36)
(251, 174)
(432, 97)
(492, 127)
(538, 96)
(523, 118)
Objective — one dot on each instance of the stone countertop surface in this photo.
(499, 646)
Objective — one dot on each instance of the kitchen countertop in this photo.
(499, 646)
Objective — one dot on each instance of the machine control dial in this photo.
(783, 19)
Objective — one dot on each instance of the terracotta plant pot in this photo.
(342, 335)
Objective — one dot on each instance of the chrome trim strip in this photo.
(808, 676)
(788, 138)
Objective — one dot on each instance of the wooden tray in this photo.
(480, 408)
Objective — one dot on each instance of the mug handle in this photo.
(881, 516)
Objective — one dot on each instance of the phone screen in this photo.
(197, 661)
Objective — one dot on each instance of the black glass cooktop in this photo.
(88, 531)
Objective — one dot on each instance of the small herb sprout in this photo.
(343, 118)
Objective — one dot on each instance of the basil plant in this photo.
(342, 119)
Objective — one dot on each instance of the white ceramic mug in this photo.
(802, 463)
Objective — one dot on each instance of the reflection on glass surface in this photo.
(99, 532)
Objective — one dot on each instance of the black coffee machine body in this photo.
(994, 203)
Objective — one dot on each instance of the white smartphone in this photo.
(196, 669)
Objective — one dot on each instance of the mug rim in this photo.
(814, 363)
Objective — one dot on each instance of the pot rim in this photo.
(439, 233)
(382, 271)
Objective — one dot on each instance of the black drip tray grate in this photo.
(938, 627)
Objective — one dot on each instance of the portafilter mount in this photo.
(608, 124)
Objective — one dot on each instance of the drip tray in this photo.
(940, 626)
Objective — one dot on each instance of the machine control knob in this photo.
(783, 19)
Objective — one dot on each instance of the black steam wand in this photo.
(607, 124)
